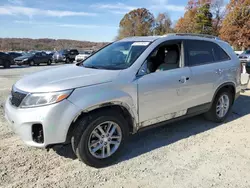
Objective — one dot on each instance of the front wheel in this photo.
(98, 138)
(67, 60)
(32, 63)
(221, 106)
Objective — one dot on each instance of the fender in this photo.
(89, 99)
(221, 86)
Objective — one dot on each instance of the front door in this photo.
(164, 92)
(163, 95)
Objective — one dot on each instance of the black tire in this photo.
(31, 63)
(49, 62)
(6, 64)
(84, 127)
(67, 61)
(211, 114)
(37, 64)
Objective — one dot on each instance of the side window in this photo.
(164, 57)
(221, 55)
(38, 55)
(199, 52)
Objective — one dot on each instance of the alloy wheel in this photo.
(105, 139)
(222, 106)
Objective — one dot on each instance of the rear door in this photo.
(44, 57)
(207, 68)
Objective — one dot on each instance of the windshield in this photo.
(63, 52)
(118, 55)
(28, 53)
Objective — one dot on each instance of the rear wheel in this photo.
(221, 106)
(98, 138)
(49, 62)
(6, 64)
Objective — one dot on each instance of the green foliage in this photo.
(203, 20)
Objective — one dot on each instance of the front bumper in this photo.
(58, 59)
(245, 60)
(21, 62)
(55, 120)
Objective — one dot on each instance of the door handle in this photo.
(183, 79)
(218, 71)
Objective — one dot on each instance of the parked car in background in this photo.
(238, 53)
(82, 55)
(245, 56)
(33, 59)
(130, 85)
(66, 56)
(14, 55)
(5, 60)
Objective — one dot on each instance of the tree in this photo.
(218, 11)
(236, 25)
(203, 19)
(138, 22)
(186, 23)
(163, 24)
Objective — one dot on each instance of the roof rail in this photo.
(195, 35)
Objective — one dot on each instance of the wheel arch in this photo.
(123, 108)
(228, 85)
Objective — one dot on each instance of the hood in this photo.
(63, 78)
(23, 57)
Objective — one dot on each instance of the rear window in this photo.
(73, 51)
(204, 52)
(220, 54)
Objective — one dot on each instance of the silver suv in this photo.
(127, 86)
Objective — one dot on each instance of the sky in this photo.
(86, 20)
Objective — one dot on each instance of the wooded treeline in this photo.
(231, 21)
(25, 44)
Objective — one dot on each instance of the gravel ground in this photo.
(186, 154)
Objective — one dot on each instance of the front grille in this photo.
(17, 97)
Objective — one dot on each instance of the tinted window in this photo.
(220, 54)
(199, 52)
(73, 51)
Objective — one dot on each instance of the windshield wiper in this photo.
(92, 67)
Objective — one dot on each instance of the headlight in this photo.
(42, 99)
(25, 59)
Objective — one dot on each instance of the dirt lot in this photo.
(190, 153)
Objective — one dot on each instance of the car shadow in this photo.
(155, 138)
